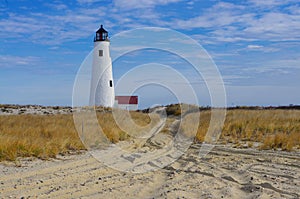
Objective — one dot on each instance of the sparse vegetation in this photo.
(269, 127)
(41, 136)
(173, 109)
(275, 129)
(45, 136)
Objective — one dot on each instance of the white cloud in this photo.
(221, 14)
(285, 63)
(294, 9)
(191, 3)
(275, 26)
(270, 2)
(225, 22)
(261, 48)
(88, 1)
(133, 4)
(9, 61)
(52, 29)
(197, 22)
(232, 27)
(276, 65)
(229, 22)
(57, 6)
(254, 47)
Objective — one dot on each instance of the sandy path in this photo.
(224, 173)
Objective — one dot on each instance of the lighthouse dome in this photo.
(101, 35)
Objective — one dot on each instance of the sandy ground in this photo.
(34, 109)
(224, 173)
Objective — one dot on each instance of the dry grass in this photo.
(41, 136)
(113, 131)
(273, 128)
(173, 109)
(45, 136)
(269, 128)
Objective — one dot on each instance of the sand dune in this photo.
(224, 173)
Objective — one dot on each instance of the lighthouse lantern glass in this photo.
(101, 34)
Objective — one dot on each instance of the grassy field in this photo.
(41, 136)
(45, 136)
(274, 129)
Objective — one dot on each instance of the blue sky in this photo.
(255, 45)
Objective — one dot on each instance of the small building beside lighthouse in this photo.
(127, 102)
(102, 91)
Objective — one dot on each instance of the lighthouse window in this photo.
(110, 83)
(100, 53)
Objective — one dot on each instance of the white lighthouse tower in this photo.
(102, 91)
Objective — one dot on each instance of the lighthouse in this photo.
(102, 91)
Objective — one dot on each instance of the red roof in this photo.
(127, 99)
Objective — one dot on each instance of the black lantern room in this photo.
(101, 35)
